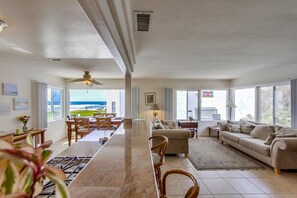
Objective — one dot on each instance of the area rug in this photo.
(209, 154)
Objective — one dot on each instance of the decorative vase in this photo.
(25, 128)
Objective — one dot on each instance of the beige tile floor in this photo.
(222, 183)
(231, 183)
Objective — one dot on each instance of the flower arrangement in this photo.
(24, 119)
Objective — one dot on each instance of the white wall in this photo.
(154, 85)
(24, 75)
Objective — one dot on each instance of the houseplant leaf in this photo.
(61, 189)
(11, 178)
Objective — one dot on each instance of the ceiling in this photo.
(190, 39)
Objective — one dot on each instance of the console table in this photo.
(33, 133)
(192, 125)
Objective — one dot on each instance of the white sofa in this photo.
(280, 154)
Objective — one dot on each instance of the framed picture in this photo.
(5, 108)
(150, 98)
(20, 103)
(9, 89)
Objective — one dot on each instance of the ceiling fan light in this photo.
(2, 25)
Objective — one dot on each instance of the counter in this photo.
(121, 168)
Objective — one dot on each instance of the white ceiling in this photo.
(189, 39)
(215, 39)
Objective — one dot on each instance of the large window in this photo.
(88, 102)
(245, 102)
(213, 104)
(283, 105)
(186, 104)
(55, 105)
(266, 105)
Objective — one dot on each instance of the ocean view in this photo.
(87, 105)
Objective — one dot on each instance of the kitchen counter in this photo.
(121, 168)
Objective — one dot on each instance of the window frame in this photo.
(62, 99)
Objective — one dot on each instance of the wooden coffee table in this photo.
(191, 125)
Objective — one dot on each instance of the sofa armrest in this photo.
(173, 133)
(222, 125)
(284, 153)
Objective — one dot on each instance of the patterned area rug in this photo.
(209, 154)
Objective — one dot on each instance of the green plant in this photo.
(23, 169)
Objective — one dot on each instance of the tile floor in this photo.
(223, 183)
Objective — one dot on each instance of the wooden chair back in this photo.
(103, 123)
(193, 190)
(82, 127)
(160, 143)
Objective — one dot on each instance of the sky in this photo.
(88, 95)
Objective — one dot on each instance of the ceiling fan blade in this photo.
(96, 82)
(77, 80)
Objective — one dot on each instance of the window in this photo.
(275, 105)
(213, 104)
(283, 105)
(245, 103)
(87, 102)
(55, 105)
(186, 104)
(266, 105)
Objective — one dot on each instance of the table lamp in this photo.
(230, 105)
(155, 107)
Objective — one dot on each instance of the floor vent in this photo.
(142, 20)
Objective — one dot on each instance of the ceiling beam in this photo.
(113, 22)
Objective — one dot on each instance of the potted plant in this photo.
(23, 169)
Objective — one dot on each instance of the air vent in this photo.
(142, 20)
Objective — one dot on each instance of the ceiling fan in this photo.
(87, 80)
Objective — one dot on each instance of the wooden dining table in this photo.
(93, 122)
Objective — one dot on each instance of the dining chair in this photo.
(103, 123)
(159, 147)
(192, 192)
(82, 127)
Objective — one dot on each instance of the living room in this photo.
(178, 53)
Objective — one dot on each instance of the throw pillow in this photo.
(270, 138)
(246, 127)
(165, 124)
(234, 127)
(287, 132)
(262, 131)
(157, 124)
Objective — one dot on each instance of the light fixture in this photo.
(2, 25)
(230, 105)
(155, 107)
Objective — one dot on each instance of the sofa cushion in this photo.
(246, 127)
(270, 138)
(256, 145)
(262, 131)
(233, 127)
(234, 136)
(287, 132)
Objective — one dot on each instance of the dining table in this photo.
(116, 121)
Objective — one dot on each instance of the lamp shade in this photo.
(231, 104)
(155, 107)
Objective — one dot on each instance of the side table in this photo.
(214, 129)
(191, 125)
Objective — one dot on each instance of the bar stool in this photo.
(159, 147)
(193, 190)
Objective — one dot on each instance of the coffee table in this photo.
(191, 125)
